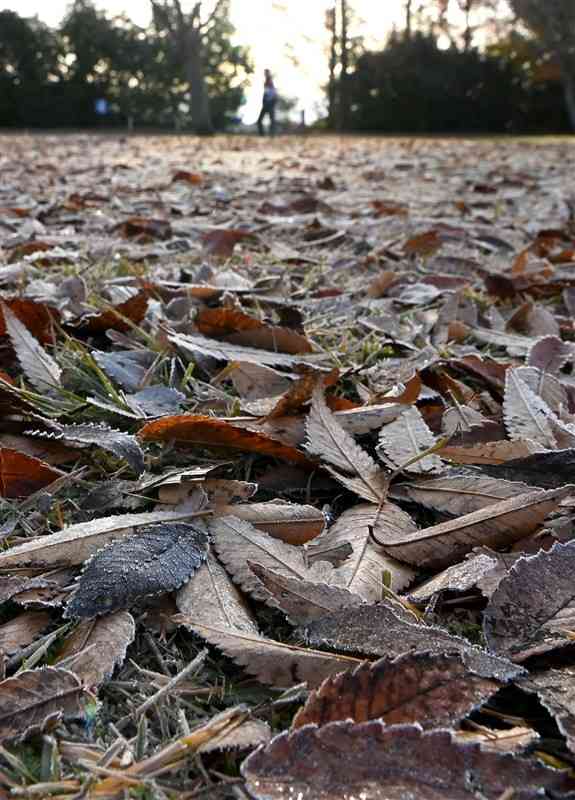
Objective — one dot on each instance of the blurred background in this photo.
(400, 66)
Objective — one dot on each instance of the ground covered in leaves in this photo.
(287, 468)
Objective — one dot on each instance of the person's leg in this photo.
(272, 112)
(261, 121)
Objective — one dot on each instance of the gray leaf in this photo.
(158, 559)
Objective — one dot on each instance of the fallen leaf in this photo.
(290, 522)
(273, 663)
(95, 648)
(404, 440)
(158, 559)
(37, 365)
(22, 475)
(220, 243)
(211, 432)
(21, 631)
(496, 525)
(533, 607)
(121, 317)
(210, 598)
(435, 690)
(378, 762)
(555, 689)
(38, 318)
(36, 698)
(224, 351)
(368, 568)
(355, 468)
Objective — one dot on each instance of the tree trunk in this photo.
(408, 15)
(344, 75)
(195, 75)
(331, 24)
(568, 81)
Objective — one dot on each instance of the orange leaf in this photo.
(22, 475)
(424, 244)
(212, 432)
(144, 229)
(37, 317)
(220, 243)
(115, 317)
(223, 321)
(183, 176)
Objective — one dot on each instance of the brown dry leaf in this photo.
(211, 598)
(116, 318)
(300, 600)
(211, 432)
(381, 283)
(236, 542)
(532, 610)
(515, 344)
(76, 543)
(488, 452)
(355, 468)
(222, 321)
(250, 734)
(497, 525)
(144, 229)
(274, 338)
(95, 648)
(405, 439)
(22, 630)
(424, 244)
(254, 381)
(227, 351)
(373, 761)
(38, 318)
(435, 690)
(219, 491)
(458, 494)
(37, 365)
(274, 663)
(220, 243)
(33, 699)
(368, 568)
(184, 176)
(480, 569)
(292, 523)
(22, 475)
(300, 392)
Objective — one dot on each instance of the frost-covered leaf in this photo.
(550, 354)
(37, 365)
(368, 567)
(354, 467)
(301, 600)
(405, 439)
(555, 689)
(121, 444)
(533, 607)
(435, 690)
(211, 598)
(158, 559)
(497, 525)
(373, 761)
(527, 415)
(32, 699)
(94, 649)
(236, 542)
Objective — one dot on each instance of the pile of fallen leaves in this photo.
(287, 469)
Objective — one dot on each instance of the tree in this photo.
(192, 35)
(553, 21)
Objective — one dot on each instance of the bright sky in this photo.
(272, 35)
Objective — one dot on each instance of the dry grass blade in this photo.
(497, 525)
(328, 440)
(406, 438)
(273, 663)
(211, 598)
(368, 567)
(237, 542)
(37, 365)
(434, 690)
(31, 699)
(76, 543)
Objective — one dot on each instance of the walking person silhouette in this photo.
(268, 104)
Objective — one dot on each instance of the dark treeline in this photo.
(510, 68)
(54, 78)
